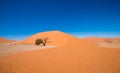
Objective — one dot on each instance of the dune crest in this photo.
(56, 38)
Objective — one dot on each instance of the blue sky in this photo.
(22, 18)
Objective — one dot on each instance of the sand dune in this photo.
(105, 42)
(94, 39)
(74, 55)
(99, 39)
(54, 38)
(3, 40)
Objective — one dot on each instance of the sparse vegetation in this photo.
(45, 41)
(38, 41)
(109, 40)
(41, 41)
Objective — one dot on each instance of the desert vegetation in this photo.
(108, 40)
(41, 41)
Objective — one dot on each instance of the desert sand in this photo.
(7, 49)
(105, 42)
(72, 55)
(54, 38)
(3, 40)
(99, 39)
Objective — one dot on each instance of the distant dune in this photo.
(72, 55)
(3, 40)
(99, 39)
(105, 42)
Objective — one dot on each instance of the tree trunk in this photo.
(44, 44)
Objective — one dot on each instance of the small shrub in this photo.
(38, 41)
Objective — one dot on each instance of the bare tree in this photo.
(45, 41)
(109, 40)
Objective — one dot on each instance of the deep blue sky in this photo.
(21, 18)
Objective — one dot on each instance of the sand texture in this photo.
(71, 55)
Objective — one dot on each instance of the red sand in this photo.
(74, 56)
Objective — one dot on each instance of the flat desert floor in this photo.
(109, 45)
(7, 49)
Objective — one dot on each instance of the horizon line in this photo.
(76, 34)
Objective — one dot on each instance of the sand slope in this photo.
(76, 56)
(54, 38)
(105, 42)
(3, 40)
(99, 39)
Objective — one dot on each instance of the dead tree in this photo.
(45, 41)
(109, 40)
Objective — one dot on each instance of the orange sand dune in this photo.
(95, 39)
(105, 42)
(56, 38)
(116, 39)
(53, 39)
(75, 56)
(3, 40)
(99, 39)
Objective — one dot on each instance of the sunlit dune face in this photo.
(54, 38)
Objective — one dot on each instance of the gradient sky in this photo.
(22, 18)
